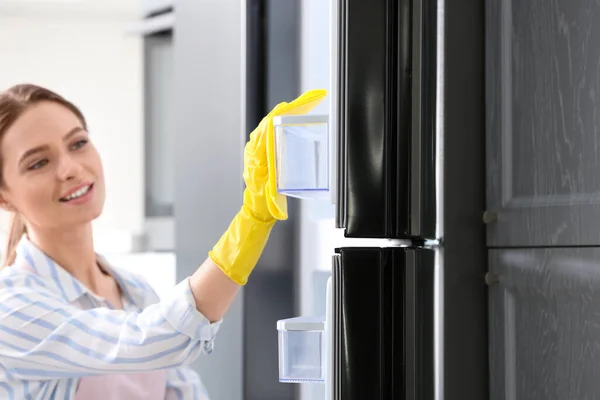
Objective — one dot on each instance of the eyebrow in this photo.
(38, 149)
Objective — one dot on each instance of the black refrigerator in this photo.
(410, 304)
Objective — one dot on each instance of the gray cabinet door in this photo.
(545, 324)
(543, 122)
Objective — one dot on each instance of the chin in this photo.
(83, 218)
(96, 210)
(96, 215)
(89, 213)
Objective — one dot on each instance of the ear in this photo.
(4, 203)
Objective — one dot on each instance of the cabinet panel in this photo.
(543, 121)
(545, 324)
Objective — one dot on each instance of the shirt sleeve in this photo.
(183, 383)
(42, 337)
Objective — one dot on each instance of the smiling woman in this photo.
(72, 325)
(47, 158)
(28, 110)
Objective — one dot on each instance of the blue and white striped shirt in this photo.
(53, 331)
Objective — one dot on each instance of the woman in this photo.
(71, 325)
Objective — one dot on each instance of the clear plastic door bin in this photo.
(301, 349)
(302, 155)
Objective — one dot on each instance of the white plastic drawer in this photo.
(301, 349)
(302, 148)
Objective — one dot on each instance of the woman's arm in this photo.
(217, 281)
(231, 261)
(42, 337)
(213, 290)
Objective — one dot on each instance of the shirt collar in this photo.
(62, 282)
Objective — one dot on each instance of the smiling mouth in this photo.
(79, 193)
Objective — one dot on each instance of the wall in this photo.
(80, 51)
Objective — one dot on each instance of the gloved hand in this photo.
(240, 247)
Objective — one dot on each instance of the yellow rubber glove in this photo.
(277, 202)
(240, 247)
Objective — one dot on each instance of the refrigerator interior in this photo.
(317, 233)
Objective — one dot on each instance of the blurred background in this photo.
(171, 91)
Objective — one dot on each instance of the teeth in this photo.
(78, 193)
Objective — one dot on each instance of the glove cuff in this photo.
(240, 247)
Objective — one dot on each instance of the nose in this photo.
(67, 168)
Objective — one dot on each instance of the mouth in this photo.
(78, 193)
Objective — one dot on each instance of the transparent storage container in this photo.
(301, 350)
(302, 155)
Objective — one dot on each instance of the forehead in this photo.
(39, 124)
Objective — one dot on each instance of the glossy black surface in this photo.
(375, 123)
(370, 187)
(383, 323)
(425, 177)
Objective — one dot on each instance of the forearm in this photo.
(47, 338)
(217, 281)
(213, 291)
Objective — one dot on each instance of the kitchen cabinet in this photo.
(545, 324)
(543, 122)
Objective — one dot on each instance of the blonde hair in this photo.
(13, 103)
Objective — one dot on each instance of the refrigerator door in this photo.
(384, 119)
(383, 324)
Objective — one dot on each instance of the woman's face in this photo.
(52, 172)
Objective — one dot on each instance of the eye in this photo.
(79, 144)
(38, 164)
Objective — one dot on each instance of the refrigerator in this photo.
(403, 150)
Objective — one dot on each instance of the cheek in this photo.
(27, 190)
(34, 199)
(38, 193)
(99, 166)
(94, 162)
(93, 165)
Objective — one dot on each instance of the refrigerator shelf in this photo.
(302, 156)
(301, 350)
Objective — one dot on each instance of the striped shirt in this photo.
(53, 331)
